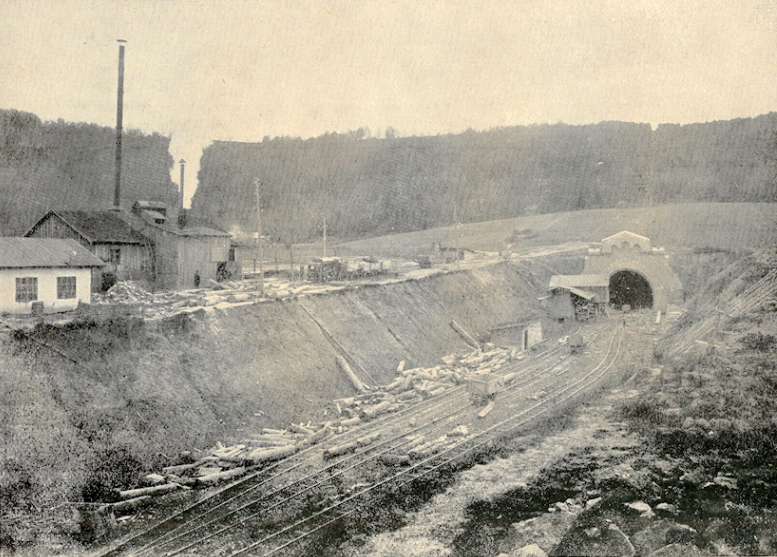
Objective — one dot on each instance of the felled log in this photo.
(300, 429)
(420, 440)
(316, 437)
(368, 439)
(355, 381)
(351, 421)
(180, 468)
(407, 395)
(510, 377)
(401, 366)
(189, 482)
(130, 505)
(211, 479)
(465, 335)
(339, 450)
(154, 490)
(257, 456)
(395, 459)
(483, 413)
(377, 410)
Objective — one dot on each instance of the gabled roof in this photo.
(630, 237)
(578, 281)
(22, 253)
(96, 227)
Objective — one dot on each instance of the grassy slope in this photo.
(688, 225)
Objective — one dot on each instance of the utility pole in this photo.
(324, 236)
(183, 165)
(259, 232)
(456, 233)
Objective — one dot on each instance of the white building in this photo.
(44, 275)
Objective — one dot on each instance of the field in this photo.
(725, 226)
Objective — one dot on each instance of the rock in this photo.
(591, 503)
(661, 533)
(665, 509)
(545, 531)
(694, 478)
(642, 508)
(611, 542)
(678, 550)
(622, 483)
(532, 550)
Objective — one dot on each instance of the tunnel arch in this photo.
(631, 287)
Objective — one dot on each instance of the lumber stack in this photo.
(226, 463)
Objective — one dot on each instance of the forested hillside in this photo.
(367, 186)
(62, 165)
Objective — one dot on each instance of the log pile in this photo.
(221, 464)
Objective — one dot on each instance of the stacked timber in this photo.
(414, 385)
(226, 463)
(418, 447)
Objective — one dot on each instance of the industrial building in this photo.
(44, 275)
(127, 254)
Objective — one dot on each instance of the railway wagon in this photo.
(483, 387)
(325, 269)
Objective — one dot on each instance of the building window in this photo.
(66, 288)
(26, 289)
(115, 256)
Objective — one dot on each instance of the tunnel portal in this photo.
(632, 288)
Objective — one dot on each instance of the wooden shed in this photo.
(44, 275)
(578, 296)
(186, 254)
(126, 253)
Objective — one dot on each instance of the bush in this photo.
(759, 342)
(108, 280)
(115, 466)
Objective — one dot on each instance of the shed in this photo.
(522, 334)
(580, 296)
(127, 253)
(186, 254)
(47, 275)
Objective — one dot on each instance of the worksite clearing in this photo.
(374, 416)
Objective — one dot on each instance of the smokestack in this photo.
(182, 162)
(119, 117)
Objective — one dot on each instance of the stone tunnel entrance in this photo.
(632, 288)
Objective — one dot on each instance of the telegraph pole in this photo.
(259, 232)
(324, 236)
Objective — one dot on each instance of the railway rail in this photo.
(281, 505)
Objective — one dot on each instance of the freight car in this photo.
(326, 269)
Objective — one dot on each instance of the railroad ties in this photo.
(280, 506)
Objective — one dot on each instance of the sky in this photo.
(240, 70)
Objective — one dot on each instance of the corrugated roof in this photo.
(102, 227)
(20, 253)
(578, 281)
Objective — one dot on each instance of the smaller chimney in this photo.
(183, 217)
(183, 165)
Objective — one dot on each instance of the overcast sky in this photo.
(242, 70)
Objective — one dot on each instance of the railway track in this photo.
(280, 505)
